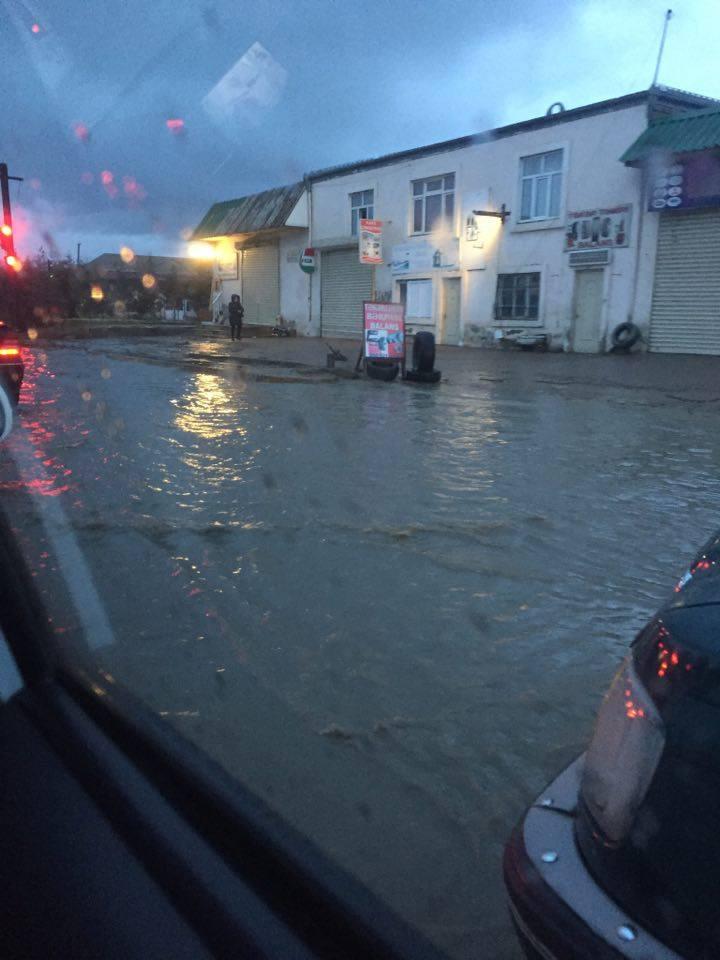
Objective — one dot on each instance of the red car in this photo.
(12, 367)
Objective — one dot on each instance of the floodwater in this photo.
(389, 610)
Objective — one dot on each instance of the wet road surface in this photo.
(390, 610)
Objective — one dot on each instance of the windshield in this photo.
(337, 463)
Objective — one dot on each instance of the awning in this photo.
(681, 133)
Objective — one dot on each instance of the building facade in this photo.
(258, 241)
(531, 232)
(679, 159)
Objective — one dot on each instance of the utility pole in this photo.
(5, 190)
(77, 258)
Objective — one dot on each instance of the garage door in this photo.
(685, 314)
(261, 284)
(345, 283)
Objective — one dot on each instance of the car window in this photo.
(364, 498)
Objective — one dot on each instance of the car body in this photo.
(12, 367)
(620, 855)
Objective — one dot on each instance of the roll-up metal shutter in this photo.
(261, 284)
(685, 315)
(345, 283)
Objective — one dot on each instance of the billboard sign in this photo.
(370, 237)
(383, 331)
(693, 181)
(599, 227)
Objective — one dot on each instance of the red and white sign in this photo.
(370, 238)
(384, 331)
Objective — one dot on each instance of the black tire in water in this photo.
(424, 351)
(381, 370)
(625, 336)
(418, 376)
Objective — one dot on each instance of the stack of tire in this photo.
(386, 370)
(423, 359)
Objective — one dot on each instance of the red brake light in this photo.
(9, 351)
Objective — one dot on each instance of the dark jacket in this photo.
(236, 311)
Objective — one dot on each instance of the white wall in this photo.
(489, 172)
(294, 284)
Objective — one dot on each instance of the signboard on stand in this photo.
(370, 238)
(384, 331)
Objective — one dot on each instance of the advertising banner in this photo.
(422, 256)
(226, 262)
(384, 331)
(370, 241)
(691, 182)
(600, 227)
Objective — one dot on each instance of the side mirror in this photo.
(6, 413)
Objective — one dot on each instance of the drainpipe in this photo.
(308, 191)
(641, 223)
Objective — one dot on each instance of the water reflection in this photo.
(209, 409)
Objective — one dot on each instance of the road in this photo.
(390, 610)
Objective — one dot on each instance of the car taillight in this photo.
(9, 351)
(623, 755)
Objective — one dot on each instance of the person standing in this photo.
(235, 315)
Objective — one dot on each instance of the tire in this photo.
(625, 336)
(424, 351)
(381, 370)
(418, 376)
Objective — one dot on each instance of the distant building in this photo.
(176, 285)
(539, 230)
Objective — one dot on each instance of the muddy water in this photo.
(389, 610)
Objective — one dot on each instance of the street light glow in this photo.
(199, 250)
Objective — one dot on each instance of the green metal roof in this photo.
(260, 211)
(682, 133)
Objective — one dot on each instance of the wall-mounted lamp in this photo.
(501, 214)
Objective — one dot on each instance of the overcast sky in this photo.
(128, 119)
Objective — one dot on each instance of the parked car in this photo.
(620, 855)
(12, 368)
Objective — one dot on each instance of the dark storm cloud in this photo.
(361, 79)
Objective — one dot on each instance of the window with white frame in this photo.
(417, 297)
(433, 203)
(518, 296)
(362, 207)
(541, 185)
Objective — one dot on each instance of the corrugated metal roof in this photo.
(682, 133)
(260, 211)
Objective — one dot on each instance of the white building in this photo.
(258, 241)
(573, 258)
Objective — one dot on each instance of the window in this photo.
(417, 297)
(540, 185)
(433, 203)
(362, 207)
(518, 296)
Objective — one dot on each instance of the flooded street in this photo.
(390, 610)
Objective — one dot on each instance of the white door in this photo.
(261, 285)
(344, 284)
(588, 311)
(451, 311)
(685, 315)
